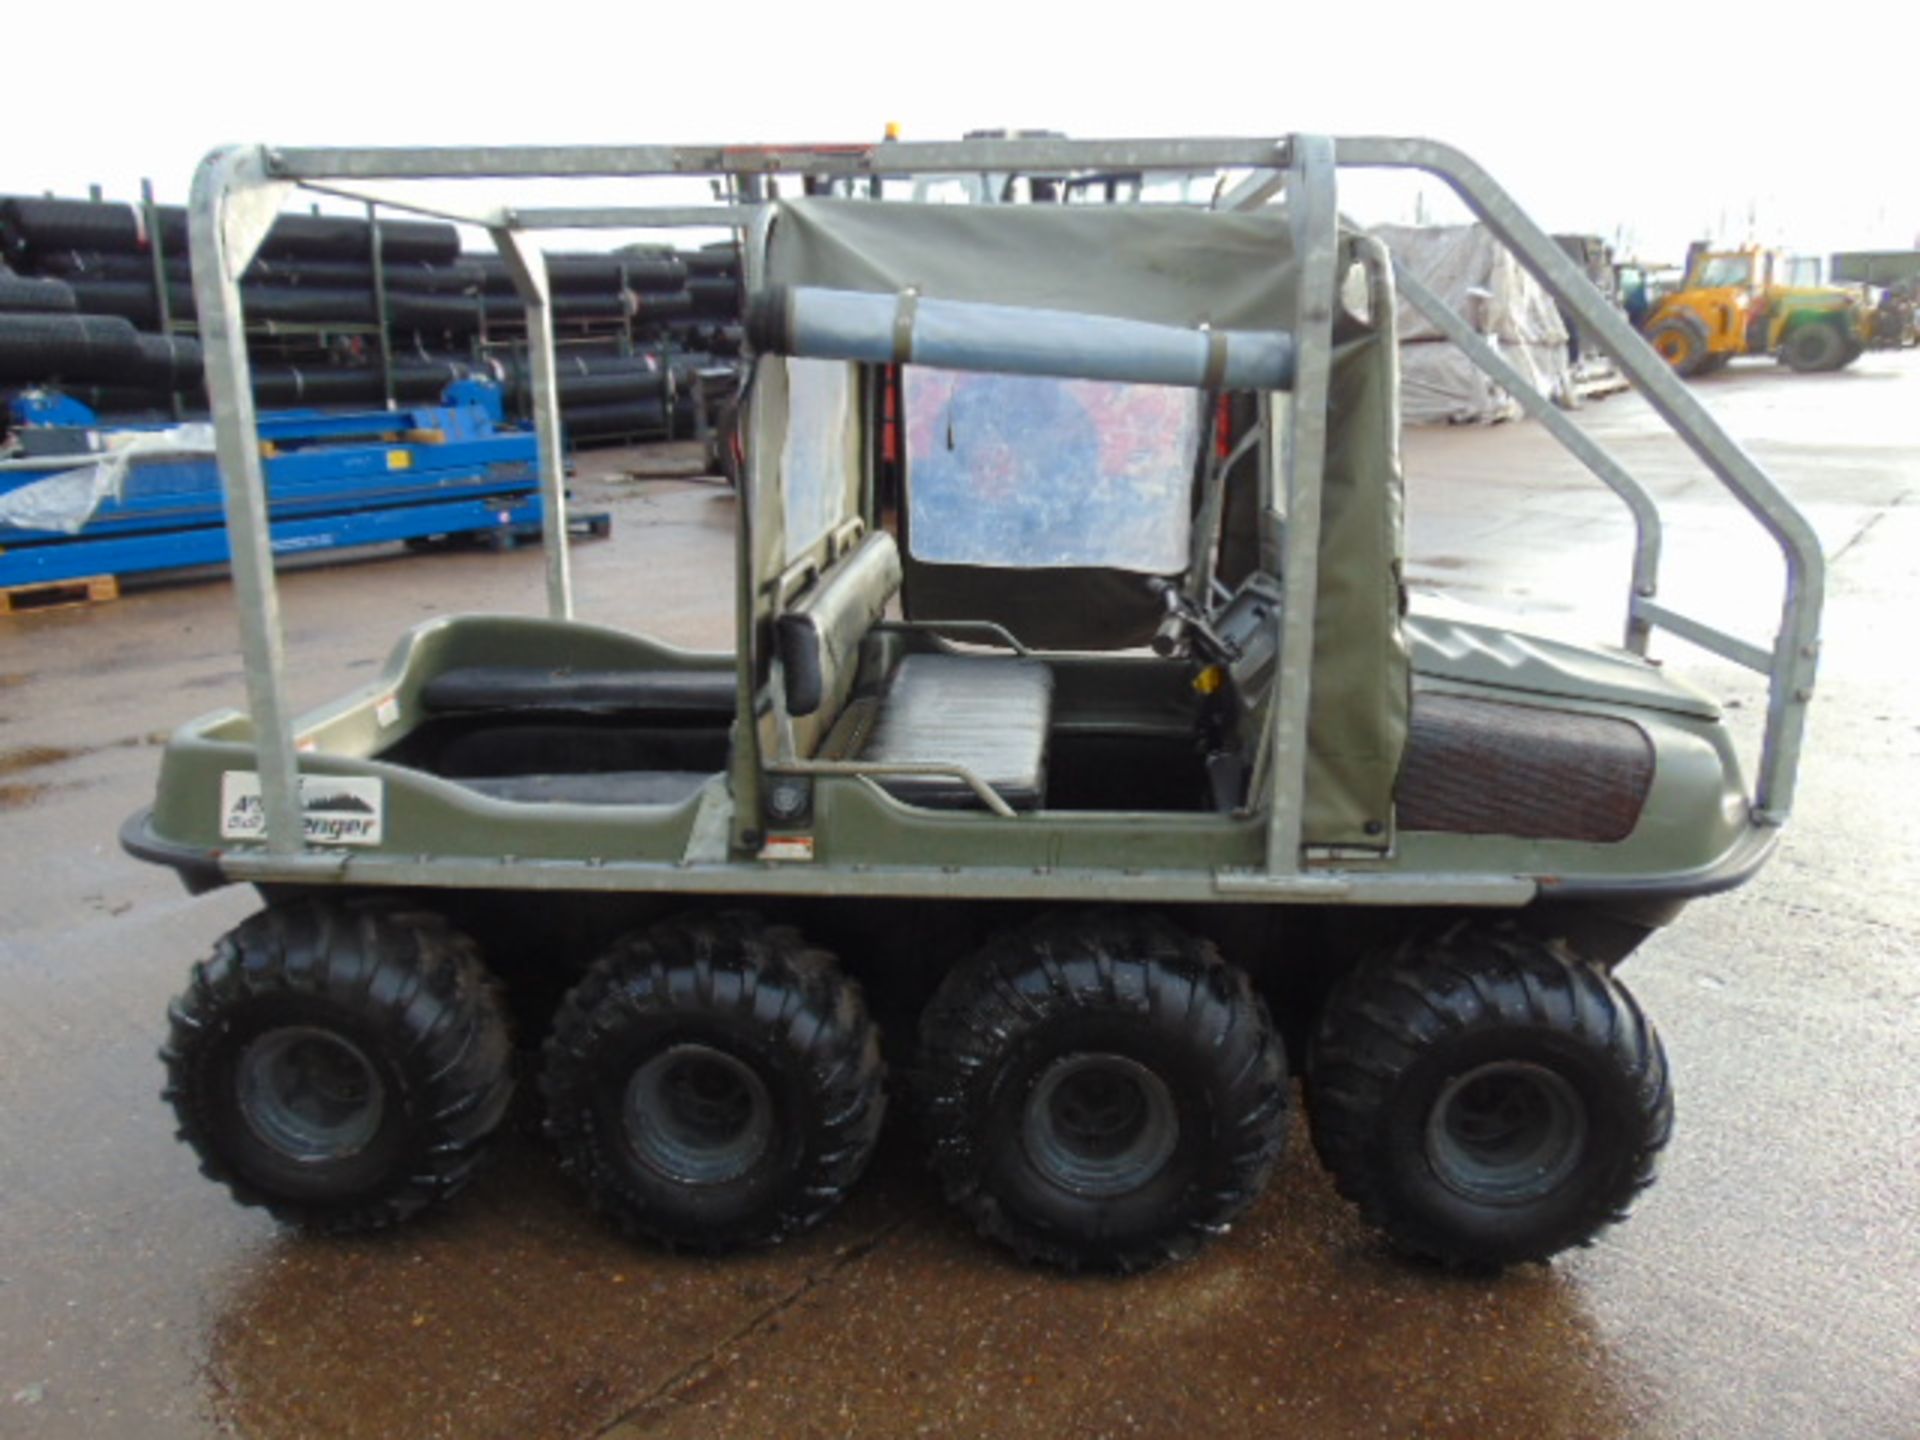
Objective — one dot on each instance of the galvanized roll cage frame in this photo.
(238, 191)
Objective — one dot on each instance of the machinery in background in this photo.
(1642, 284)
(1745, 302)
(1896, 310)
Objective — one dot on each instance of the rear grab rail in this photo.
(1790, 662)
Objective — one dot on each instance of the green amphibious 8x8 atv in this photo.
(1076, 731)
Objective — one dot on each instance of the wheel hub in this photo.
(1506, 1133)
(698, 1115)
(310, 1094)
(1099, 1124)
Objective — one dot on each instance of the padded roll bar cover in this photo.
(819, 638)
(904, 328)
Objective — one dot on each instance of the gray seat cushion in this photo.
(987, 712)
(620, 787)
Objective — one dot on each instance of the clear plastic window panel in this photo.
(819, 460)
(1029, 473)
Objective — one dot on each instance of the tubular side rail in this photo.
(869, 769)
(1644, 509)
(991, 630)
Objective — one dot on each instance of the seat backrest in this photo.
(819, 635)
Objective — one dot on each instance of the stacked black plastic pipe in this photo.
(81, 311)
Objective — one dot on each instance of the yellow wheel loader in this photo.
(1740, 302)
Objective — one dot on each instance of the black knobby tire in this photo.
(1487, 1098)
(340, 1064)
(1816, 345)
(714, 1082)
(1680, 340)
(1177, 1117)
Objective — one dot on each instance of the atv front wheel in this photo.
(341, 1065)
(1101, 1090)
(714, 1082)
(1488, 1098)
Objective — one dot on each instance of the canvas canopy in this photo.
(1468, 267)
(1166, 266)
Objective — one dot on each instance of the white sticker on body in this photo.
(787, 847)
(334, 809)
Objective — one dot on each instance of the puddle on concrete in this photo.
(514, 1312)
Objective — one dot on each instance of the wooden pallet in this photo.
(57, 594)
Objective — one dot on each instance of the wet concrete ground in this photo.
(1769, 1285)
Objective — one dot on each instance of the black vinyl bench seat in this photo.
(676, 694)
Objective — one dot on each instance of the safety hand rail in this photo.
(991, 629)
(1793, 657)
(1643, 613)
(1646, 513)
(867, 769)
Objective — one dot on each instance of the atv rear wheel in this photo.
(1681, 341)
(1817, 345)
(714, 1082)
(1101, 1090)
(341, 1065)
(1487, 1098)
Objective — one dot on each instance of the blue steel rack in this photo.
(333, 480)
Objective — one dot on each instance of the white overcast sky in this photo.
(1797, 125)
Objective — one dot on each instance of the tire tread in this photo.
(764, 974)
(1379, 1019)
(1098, 963)
(296, 949)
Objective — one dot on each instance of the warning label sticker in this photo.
(335, 809)
(787, 847)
